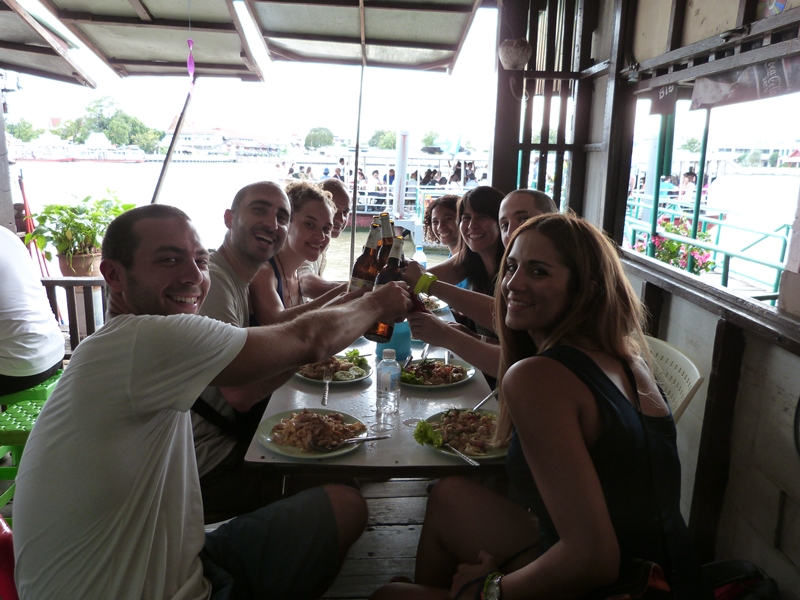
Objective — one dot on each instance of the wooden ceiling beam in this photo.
(246, 55)
(84, 18)
(87, 41)
(677, 17)
(312, 37)
(141, 10)
(380, 5)
(28, 48)
(199, 66)
(40, 73)
(56, 43)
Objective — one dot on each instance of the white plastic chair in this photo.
(678, 376)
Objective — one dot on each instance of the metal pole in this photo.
(355, 176)
(698, 194)
(168, 158)
(662, 140)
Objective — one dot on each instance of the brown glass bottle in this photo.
(387, 239)
(382, 332)
(365, 269)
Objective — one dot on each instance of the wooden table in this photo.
(398, 456)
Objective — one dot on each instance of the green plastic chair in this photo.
(16, 422)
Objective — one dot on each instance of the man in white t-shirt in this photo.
(31, 343)
(312, 284)
(108, 502)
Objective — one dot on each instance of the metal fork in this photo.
(327, 377)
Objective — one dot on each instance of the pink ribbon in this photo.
(190, 64)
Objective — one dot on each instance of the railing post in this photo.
(662, 141)
(701, 172)
(726, 265)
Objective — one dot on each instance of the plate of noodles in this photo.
(347, 368)
(432, 373)
(466, 430)
(290, 432)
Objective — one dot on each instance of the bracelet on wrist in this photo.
(491, 587)
(424, 283)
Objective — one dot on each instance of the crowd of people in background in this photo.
(377, 180)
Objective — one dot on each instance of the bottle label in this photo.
(357, 284)
(389, 382)
(397, 249)
(374, 236)
(386, 226)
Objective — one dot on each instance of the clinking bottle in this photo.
(387, 240)
(365, 269)
(382, 332)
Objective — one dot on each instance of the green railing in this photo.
(637, 229)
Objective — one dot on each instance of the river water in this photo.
(202, 190)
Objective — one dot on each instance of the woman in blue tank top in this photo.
(592, 456)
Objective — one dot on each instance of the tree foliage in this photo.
(754, 159)
(692, 145)
(319, 137)
(773, 159)
(375, 140)
(383, 138)
(118, 126)
(429, 139)
(388, 141)
(23, 130)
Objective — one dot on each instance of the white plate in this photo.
(490, 454)
(368, 370)
(470, 375)
(442, 306)
(264, 435)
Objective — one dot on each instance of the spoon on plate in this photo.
(460, 454)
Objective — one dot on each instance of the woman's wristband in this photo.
(491, 586)
(424, 283)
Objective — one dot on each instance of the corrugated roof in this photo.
(148, 37)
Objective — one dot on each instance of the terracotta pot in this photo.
(514, 54)
(83, 265)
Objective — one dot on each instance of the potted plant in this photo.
(76, 232)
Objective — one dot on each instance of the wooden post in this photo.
(512, 20)
(714, 456)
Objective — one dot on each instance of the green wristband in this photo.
(491, 586)
(424, 283)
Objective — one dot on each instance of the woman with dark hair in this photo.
(426, 179)
(439, 224)
(592, 451)
(479, 249)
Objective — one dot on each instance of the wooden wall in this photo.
(757, 516)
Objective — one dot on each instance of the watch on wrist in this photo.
(491, 588)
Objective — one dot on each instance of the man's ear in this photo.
(228, 218)
(113, 273)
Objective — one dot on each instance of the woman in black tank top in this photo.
(592, 455)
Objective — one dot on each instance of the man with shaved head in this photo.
(224, 418)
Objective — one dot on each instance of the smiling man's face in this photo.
(259, 225)
(169, 273)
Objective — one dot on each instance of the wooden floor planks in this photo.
(388, 546)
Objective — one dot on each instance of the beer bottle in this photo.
(365, 269)
(382, 332)
(387, 238)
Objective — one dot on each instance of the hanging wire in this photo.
(355, 175)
